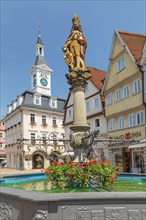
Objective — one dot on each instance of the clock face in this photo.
(43, 82)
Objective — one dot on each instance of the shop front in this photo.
(138, 157)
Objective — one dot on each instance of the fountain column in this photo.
(78, 76)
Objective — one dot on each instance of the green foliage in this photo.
(81, 174)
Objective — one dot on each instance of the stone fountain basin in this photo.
(26, 205)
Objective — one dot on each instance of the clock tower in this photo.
(40, 72)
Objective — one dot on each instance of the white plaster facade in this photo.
(36, 116)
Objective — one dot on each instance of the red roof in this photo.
(97, 77)
(135, 43)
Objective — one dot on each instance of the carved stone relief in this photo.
(143, 213)
(97, 215)
(117, 213)
(5, 212)
(110, 213)
(83, 214)
(134, 214)
(40, 215)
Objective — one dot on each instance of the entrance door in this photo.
(126, 162)
(38, 161)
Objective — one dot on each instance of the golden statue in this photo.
(75, 47)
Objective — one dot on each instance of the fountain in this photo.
(68, 206)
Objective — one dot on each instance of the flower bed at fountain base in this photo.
(26, 205)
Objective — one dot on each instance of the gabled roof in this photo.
(97, 77)
(135, 43)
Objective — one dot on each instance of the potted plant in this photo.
(39, 162)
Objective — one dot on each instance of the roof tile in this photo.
(97, 77)
(135, 43)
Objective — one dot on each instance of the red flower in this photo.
(113, 176)
(72, 164)
(61, 163)
(84, 165)
(117, 172)
(107, 162)
(70, 173)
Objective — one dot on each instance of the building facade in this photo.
(2, 143)
(124, 101)
(34, 117)
(94, 109)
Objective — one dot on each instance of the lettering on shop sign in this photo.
(128, 135)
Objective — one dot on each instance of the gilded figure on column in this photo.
(75, 47)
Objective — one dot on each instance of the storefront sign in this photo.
(128, 135)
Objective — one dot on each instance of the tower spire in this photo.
(39, 29)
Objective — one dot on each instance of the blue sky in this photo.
(19, 32)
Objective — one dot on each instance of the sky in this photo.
(19, 33)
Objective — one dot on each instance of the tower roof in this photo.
(39, 41)
(39, 60)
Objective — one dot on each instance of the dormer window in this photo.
(37, 99)
(53, 103)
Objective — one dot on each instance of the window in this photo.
(136, 119)
(118, 95)
(1, 135)
(53, 103)
(109, 99)
(44, 137)
(54, 121)
(34, 80)
(136, 86)
(96, 102)
(32, 138)
(37, 100)
(140, 118)
(121, 122)
(32, 118)
(69, 113)
(120, 64)
(97, 123)
(126, 91)
(43, 119)
(1, 145)
(111, 125)
(87, 106)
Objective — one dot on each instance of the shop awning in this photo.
(139, 145)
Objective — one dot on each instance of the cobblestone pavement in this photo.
(11, 171)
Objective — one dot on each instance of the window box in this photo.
(55, 125)
(33, 123)
(44, 124)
